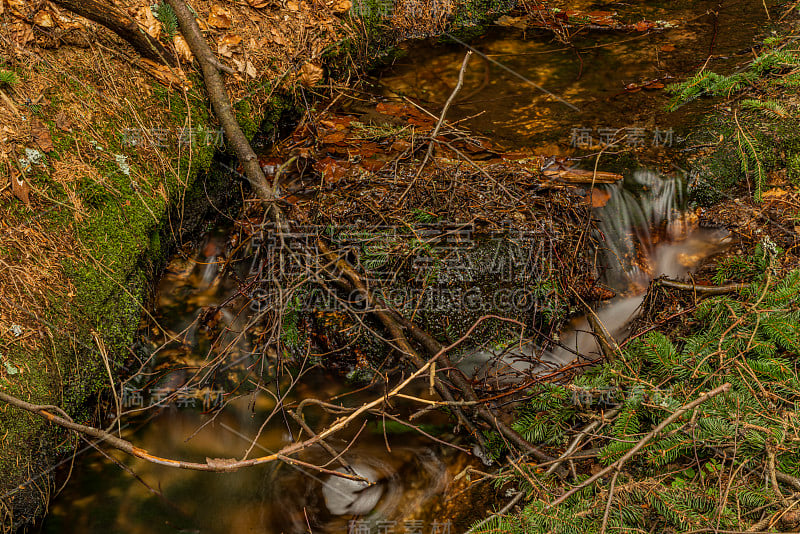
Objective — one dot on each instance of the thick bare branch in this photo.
(220, 100)
(120, 23)
(616, 466)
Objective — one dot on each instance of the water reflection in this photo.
(590, 73)
(407, 471)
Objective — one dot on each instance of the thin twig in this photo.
(616, 466)
(608, 503)
(439, 123)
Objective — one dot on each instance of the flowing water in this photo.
(408, 469)
(644, 231)
(643, 225)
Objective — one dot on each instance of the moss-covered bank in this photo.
(110, 226)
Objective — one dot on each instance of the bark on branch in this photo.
(617, 466)
(220, 100)
(699, 289)
(395, 323)
(122, 24)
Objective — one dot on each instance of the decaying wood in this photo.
(122, 24)
(578, 176)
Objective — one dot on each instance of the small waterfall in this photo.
(643, 211)
(644, 231)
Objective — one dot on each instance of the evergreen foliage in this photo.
(7, 78)
(711, 467)
(166, 16)
(757, 136)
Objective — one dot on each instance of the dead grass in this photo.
(27, 276)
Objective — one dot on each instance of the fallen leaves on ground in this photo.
(219, 17)
(40, 135)
(182, 47)
(21, 189)
(310, 74)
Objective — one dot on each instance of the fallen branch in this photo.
(122, 24)
(608, 502)
(575, 443)
(394, 323)
(439, 123)
(606, 340)
(384, 316)
(212, 464)
(581, 177)
(221, 102)
(699, 289)
(617, 466)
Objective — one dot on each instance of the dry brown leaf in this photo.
(21, 33)
(600, 198)
(335, 137)
(292, 5)
(145, 18)
(62, 122)
(775, 193)
(250, 70)
(219, 17)
(18, 8)
(332, 171)
(278, 38)
(21, 189)
(311, 74)
(41, 135)
(182, 47)
(258, 4)
(44, 19)
(340, 6)
(224, 51)
(230, 40)
(514, 22)
(165, 75)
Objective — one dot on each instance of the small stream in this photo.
(415, 476)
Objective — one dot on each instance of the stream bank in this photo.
(328, 147)
(423, 214)
(110, 160)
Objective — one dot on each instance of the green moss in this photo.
(472, 17)
(757, 135)
(244, 116)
